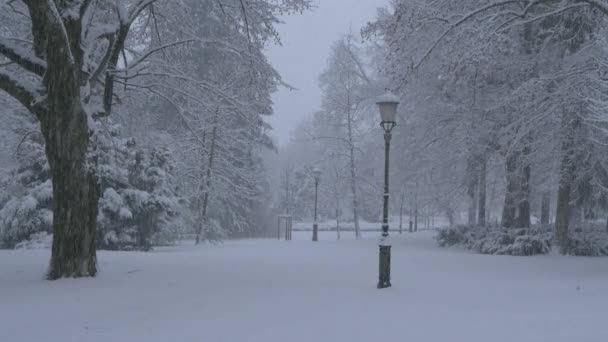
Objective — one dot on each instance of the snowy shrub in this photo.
(28, 209)
(589, 241)
(499, 241)
(23, 216)
(138, 208)
(523, 242)
(451, 236)
(40, 240)
(213, 232)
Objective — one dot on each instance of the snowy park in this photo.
(266, 290)
(303, 170)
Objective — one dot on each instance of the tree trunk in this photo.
(416, 219)
(411, 223)
(401, 213)
(416, 208)
(471, 211)
(471, 190)
(524, 189)
(71, 158)
(545, 208)
(481, 218)
(509, 210)
(338, 217)
(75, 198)
(450, 216)
(353, 175)
(562, 215)
(207, 181)
(570, 124)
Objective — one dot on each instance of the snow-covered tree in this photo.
(70, 61)
(500, 90)
(342, 120)
(139, 207)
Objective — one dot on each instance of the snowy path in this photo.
(267, 291)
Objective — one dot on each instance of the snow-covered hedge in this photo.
(521, 241)
(500, 241)
(588, 241)
(451, 236)
(585, 239)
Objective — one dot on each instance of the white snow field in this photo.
(269, 290)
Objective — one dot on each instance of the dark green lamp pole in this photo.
(387, 104)
(315, 226)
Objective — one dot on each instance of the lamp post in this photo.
(387, 104)
(315, 226)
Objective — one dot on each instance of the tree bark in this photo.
(562, 215)
(416, 219)
(353, 173)
(509, 210)
(401, 212)
(481, 218)
(411, 223)
(70, 154)
(545, 208)
(207, 181)
(471, 190)
(523, 218)
(338, 217)
(471, 211)
(75, 193)
(450, 216)
(570, 125)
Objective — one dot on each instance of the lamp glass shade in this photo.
(316, 172)
(387, 103)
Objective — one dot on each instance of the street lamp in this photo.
(387, 104)
(316, 172)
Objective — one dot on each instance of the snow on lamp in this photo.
(387, 103)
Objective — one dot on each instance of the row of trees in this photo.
(508, 95)
(169, 72)
(503, 116)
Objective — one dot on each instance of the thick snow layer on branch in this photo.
(22, 56)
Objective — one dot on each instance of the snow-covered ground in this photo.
(268, 290)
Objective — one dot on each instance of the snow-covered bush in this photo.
(139, 206)
(588, 241)
(25, 215)
(523, 242)
(500, 241)
(213, 232)
(451, 236)
(40, 240)
(27, 209)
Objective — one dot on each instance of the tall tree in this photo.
(61, 59)
(344, 84)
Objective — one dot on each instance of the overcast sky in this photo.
(306, 41)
